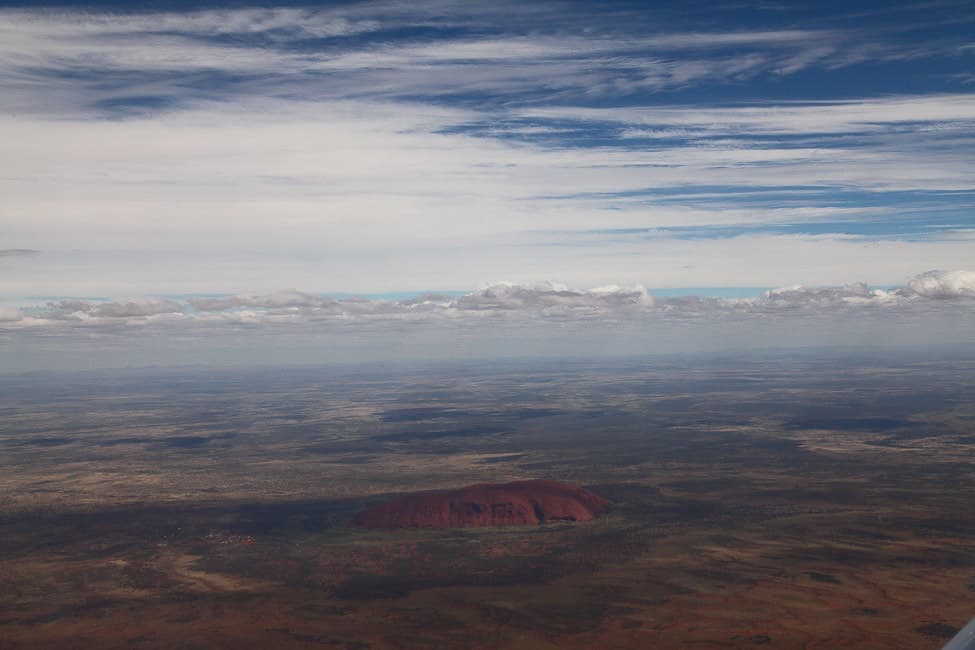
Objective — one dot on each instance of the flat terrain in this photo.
(778, 502)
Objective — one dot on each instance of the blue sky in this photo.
(166, 149)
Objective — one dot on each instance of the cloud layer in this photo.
(428, 146)
(508, 303)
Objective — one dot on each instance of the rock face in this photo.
(505, 504)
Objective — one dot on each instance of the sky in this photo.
(252, 181)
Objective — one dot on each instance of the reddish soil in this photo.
(506, 504)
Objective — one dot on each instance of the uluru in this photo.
(523, 503)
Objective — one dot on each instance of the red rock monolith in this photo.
(486, 504)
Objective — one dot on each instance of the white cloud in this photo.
(506, 320)
(279, 300)
(86, 310)
(37, 48)
(76, 24)
(10, 315)
(279, 179)
(823, 300)
(136, 309)
(944, 284)
(555, 300)
(506, 302)
(801, 118)
(364, 174)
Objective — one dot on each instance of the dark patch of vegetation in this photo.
(938, 630)
(370, 587)
(824, 577)
(186, 442)
(860, 533)
(419, 413)
(865, 611)
(44, 442)
(460, 432)
(869, 424)
(494, 460)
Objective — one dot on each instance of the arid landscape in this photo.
(439, 324)
(784, 502)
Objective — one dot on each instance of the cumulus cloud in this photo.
(943, 284)
(137, 309)
(86, 310)
(278, 300)
(552, 298)
(10, 315)
(823, 297)
(948, 285)
(504, 302)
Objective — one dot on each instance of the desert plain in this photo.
(780, 501)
